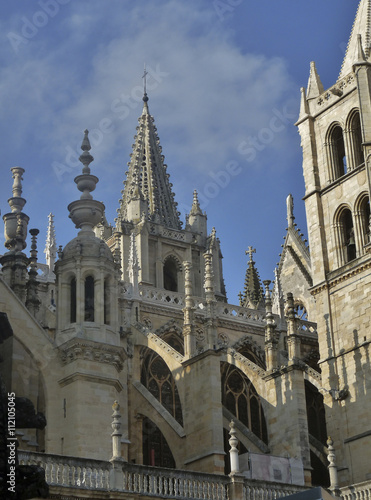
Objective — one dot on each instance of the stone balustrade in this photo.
(87, 475)
(360, 491)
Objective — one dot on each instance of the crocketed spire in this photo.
(361, 26)
(253, 295)
(147, 176)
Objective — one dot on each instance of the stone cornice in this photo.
(346, 274)
(77, 348)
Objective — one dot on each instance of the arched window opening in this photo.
(156, 451)
(247, 352)
(158, 379)
(356, 140)
(89, 299)
(242, 400)
(171, 275)
(107, 303)
(347, 236)
(315, 413)
(301, 312)
(339, 163)
(73, 300)
(174, 341)
(364, 209)
(320, 473)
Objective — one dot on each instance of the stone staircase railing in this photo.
(360, 491)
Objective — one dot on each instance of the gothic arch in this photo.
(241, 399)
(251, 350)
(354, 139)
(156, 376)
(336, 154)
(344, 235)
(362, 220)
(172, 269)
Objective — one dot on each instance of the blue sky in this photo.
(224, 87)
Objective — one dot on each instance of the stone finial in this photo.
(16, 222)
(196, 209)
(233, 452)
(315, 87)
(290, 210)
(86, 158)
(250, 251)
(133, 267)
(51, 244)
(334, 481)
(32, 300)
(86, 212)
(116, 434)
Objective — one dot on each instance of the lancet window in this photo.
(89, 299)
(156, 451)
(337, 157)
(355, 137)
(171, 275)
(241, 399)
(158, 379)
(73, 300)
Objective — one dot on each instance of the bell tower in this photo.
(335, 130)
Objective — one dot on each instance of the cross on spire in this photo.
(250, 250)
(145, 80)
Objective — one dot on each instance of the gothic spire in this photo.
(361, 26)
(253, 295)
(147, 176)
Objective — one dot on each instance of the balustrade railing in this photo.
(360, 491)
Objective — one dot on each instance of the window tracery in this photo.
(241, 399)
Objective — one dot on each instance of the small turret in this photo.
(197, 220)
(253, 296)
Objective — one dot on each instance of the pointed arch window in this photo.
(345, 237)
(338, 161)
(171, 275)
(356, 140)
(107, 302)
(73, 300)
(241, 399)
(158, 379)
(315, 413)
(89, 298)
(156, 451)
(364, 219)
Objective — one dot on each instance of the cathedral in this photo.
(130, 322)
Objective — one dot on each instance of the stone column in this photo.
(188, 328)
(333, 471)
(293, 340)
(116, 476)
(270, 337)
(237, 480)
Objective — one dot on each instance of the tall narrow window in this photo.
(158, 379)
(365, 220)
(156, 451)
(73, 300)
(171, 275)
(338, 149)
(89, 298)
(348, 236)
(107, 305)
(356, 140)
(242, 400)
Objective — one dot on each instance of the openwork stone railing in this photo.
(240, 313)
(141, 480)
(306, 327)
(163, 296)
(260, 490)
(360, 491)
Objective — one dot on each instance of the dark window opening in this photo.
(365, 220)
(340, 161)
(241, 399)
(89, 299)
(107, 304)
(315, 413)
(73, 301)
(356, 136)
(156, 451)
(348, 235)
(171, 275)
(158, 379)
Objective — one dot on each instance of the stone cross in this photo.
(250, 251)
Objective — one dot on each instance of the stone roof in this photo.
(147, 175)
(361, 26)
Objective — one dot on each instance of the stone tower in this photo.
(335, 129)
